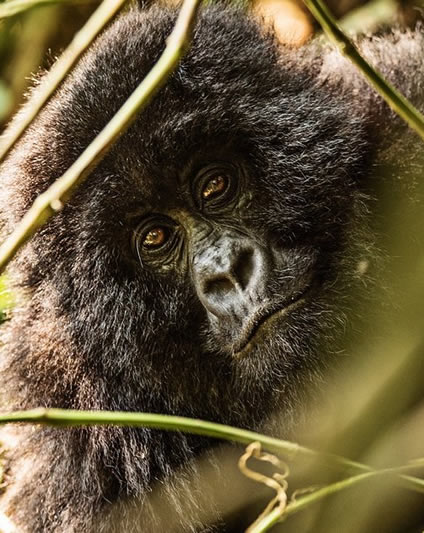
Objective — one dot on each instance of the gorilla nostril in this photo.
(244, 268)
(219, 286)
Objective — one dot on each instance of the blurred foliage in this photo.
(29, 43)
(6, 299)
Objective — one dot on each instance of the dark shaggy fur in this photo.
(95, 329)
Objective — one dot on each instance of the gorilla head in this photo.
(204, 268)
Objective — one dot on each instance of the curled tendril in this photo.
(278, 481)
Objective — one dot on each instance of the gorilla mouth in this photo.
(265, 317)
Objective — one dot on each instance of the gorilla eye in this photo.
(214, 187)
(155, 238)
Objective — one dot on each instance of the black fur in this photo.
(94, 329)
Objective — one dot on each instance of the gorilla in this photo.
(209, 267)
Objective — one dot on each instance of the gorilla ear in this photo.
(288, 19)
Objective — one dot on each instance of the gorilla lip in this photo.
(263, 318)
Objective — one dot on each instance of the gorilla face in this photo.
(240, 276)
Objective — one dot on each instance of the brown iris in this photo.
(214, 187)
(155, 238)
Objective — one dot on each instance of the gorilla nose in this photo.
(230, 278)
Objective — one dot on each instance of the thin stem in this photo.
(298, 505)
(69, 417)
(319, 494)
(52, 201)
(392, 96)
(268, 521)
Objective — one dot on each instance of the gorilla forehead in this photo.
(210, 98)
(206, 79)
